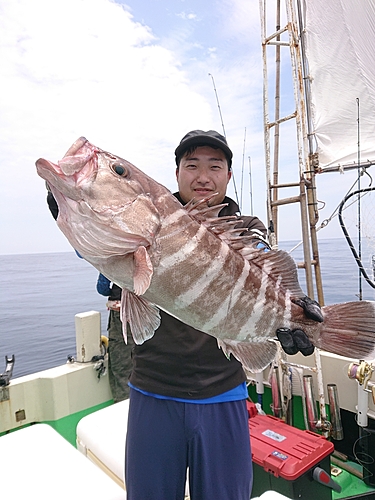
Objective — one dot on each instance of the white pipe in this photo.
(259, 383)
(334, 406)
(362, 408)
(319, 377)
(310, 402)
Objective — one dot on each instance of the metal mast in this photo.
(287, 40)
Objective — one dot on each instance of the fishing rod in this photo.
(359, 201)
(242, 169)
(250, 188)
(218, 105)
(361, 171)
(360, 191)
(225, 135)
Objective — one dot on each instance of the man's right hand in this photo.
(293, 341)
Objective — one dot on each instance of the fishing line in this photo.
(99, 366)
(325, 222)
(362, 169)
(357, 257)
(359, 193)
(362, 457)
(334, 214)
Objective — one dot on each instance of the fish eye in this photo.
(120, 169)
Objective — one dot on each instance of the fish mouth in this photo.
(75, 167)
(76, 146)
(56, 180)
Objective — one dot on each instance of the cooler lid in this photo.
(284, 450)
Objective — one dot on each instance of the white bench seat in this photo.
(37, 462)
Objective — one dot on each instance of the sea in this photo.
(42, 293)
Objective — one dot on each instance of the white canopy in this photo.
(340, 49)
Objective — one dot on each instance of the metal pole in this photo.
(277, 126)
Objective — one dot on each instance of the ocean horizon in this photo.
(42, 293)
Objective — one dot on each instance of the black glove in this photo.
(293, 341)
(311, 308)
(52, 205)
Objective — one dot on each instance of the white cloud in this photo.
(88, 67)
(76, 68)
(184, 15)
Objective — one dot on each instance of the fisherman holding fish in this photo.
(192, 281)
(187, 411)
(188, 400)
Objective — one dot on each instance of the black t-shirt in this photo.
(182, 362)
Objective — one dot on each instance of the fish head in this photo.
(105, 203)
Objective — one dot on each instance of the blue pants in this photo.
(166, 437)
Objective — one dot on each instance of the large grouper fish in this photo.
(191, 263)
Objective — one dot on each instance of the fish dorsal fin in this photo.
(249, 243)
(143, 270)
(226, 228)
(143, 316)
(276, 263)
(199, 210)
(254, 356)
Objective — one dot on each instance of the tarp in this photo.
(340, 50)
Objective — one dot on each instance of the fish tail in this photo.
(349, 329)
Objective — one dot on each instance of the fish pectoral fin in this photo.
(142, 316)
(143, 270)
(254, 356)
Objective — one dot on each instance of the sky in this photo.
(133, 77)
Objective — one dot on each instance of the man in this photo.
(187, 400)
(119, 353)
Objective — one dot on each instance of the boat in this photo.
(323, 48)
(57, 426)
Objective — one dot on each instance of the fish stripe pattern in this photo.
(190, 263)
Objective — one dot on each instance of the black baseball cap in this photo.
(200, 138)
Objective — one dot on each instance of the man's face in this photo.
(203, 173)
